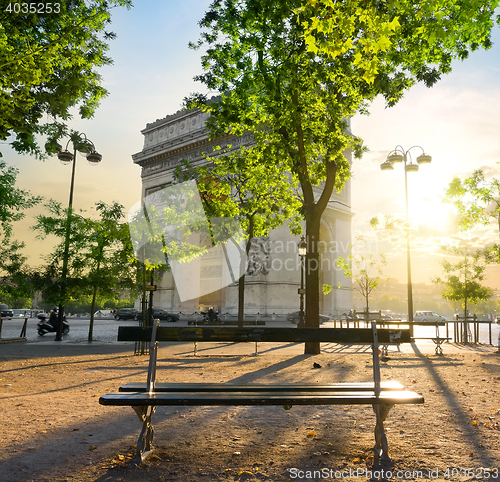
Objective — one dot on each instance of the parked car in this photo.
(428, 317)
(295, 317)
(161, 315)
(6, 311)
(126, 314)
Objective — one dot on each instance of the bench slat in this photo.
(270, 397)
(226, 323)
(255, 387)
(276, 335)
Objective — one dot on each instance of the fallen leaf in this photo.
(311, 433)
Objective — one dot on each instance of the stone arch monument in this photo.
(273, 274)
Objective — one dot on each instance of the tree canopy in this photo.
(293, 72)
(476, 200)
(48, 65)
(100, 255)
(241, 185)
(13, 201)
(463, 278)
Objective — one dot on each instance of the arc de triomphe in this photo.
(273, 275)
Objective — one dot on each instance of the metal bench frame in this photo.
(144, 398)
(438, 339)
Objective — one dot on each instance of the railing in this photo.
(22, 336)
(459, 330)
(467, 330)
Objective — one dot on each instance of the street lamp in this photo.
(395, 156)
(86, 147)
(302, 253)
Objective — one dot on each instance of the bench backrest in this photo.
(264, 334)
(156, 333)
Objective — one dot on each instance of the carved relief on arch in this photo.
(259, 259)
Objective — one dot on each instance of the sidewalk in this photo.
(55, 430)
(51, 348)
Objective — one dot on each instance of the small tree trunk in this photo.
(92, 310)
(94, 295)
(465, 336)
(241, 301)
(241, 281)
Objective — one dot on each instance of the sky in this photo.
(457, 122)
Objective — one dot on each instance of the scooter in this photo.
(45, 326)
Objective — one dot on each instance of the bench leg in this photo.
(145, 441)
(381, 447)
(439, 349)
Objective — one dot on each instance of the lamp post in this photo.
(400, 155)
(86, 147)
(302, 253)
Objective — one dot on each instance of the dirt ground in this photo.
(53, 428)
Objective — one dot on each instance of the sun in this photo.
(429, 210)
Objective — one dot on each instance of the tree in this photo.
(48, 66)
(365, 269)
(13, 202)
(292, 72)
(257, 195)
(100, 256)
(462, 279)
(15, 286)
(109, 256)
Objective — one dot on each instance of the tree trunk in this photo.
(94, 295)
(313, 222)
(241, 281)
(313, 210)
(241, 301)
(465, 335)
(92, 310)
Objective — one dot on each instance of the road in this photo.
(106, 329)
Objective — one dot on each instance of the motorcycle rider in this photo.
(212, 315)
(53, 317)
